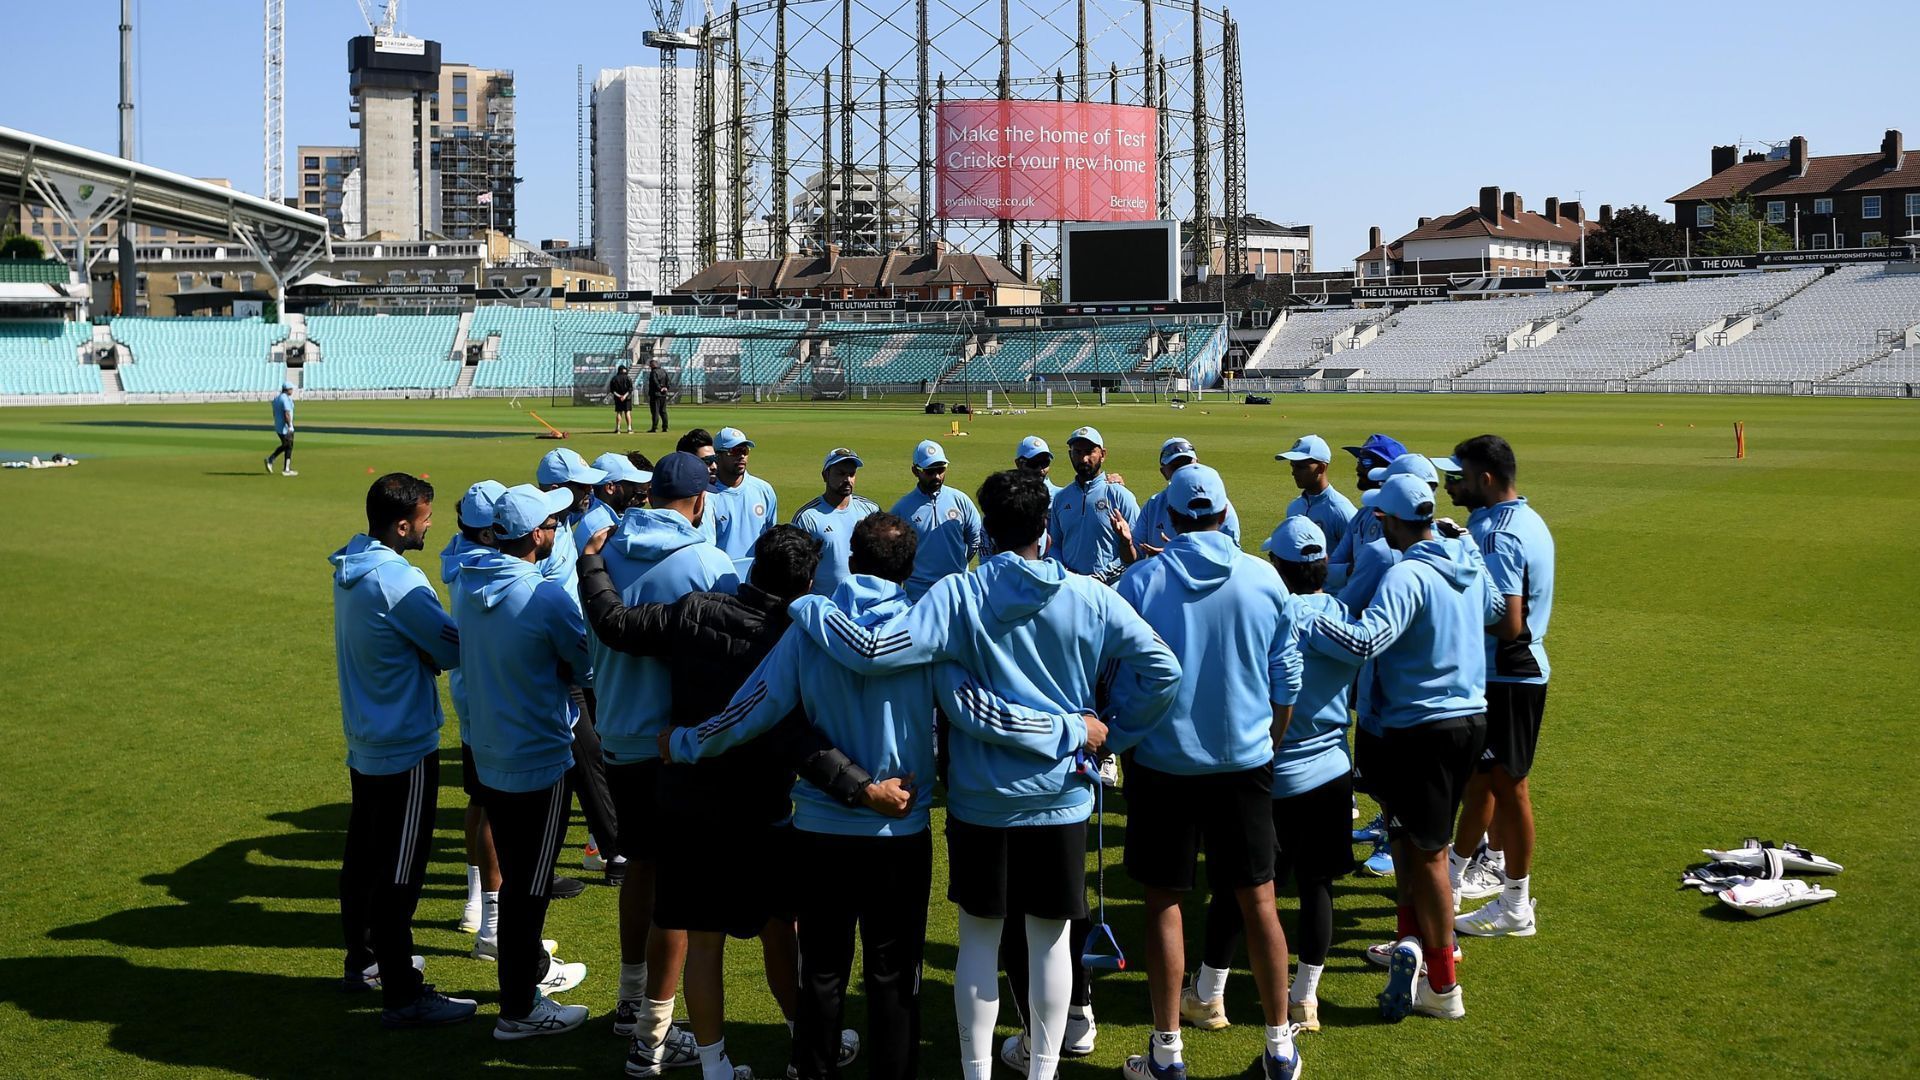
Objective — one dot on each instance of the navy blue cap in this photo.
(677, 476)
(1384, 447)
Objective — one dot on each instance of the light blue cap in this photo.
(286, 386)
(1414, 465)
(1405, 497)
(1087, 434)
(522, 508)
(1448, 465)
(1309, 448)
(729, 438)
(1176, 448)
(839, 454)
(1197, 491)
(928, 453)
(476, 506)
(621, 469)
(1032, 447)
(563, 466)
(1297, 539)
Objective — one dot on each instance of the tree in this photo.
(1737, 230)
(1638, 234)
(21, 247)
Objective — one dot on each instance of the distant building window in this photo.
(313, 196)
(1776, 212)
(426, 277)
(459, 116)
(313, 163)
(1819, 240)
(497, 281)
(246, 282)
(531, 281)
(396, 277)
(335, 181)
(335, 164)
(1913, 204)
(1703, 217)
(459, 82)
(1869, 206)
(460, 97)
(351, 275)
(456, 276)
(218, 281)
(1823, 206)
(313, 179)
(1872, 239)
(184, 281)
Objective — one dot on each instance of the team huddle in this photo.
(755, 717)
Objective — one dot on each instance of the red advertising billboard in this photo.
(1046, 161)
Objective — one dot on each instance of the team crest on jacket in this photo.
(759, 509)
(1101, 505)
(953, 513)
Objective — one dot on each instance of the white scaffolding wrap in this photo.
(626, 173)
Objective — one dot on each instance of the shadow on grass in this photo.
(223, 896)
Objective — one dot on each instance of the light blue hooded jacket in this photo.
(1233, 620)
(1371, 561)
(1032, 634)
(521, 642)
(1314, 750)
(1424, 633)
(459, 550)
(558, 567)
(391, 638)
(883, 722)
(654, 557)
(1362, 527)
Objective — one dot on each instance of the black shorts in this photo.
(634, 788)
(469, 779)
(1366, 749)
(1314, 830)
(1169, 817)
(725, 877)
(1051, 882)
(1513, 726)
(1420, 774)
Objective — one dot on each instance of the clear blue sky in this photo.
(1358, 114)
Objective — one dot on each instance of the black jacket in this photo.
(658, 384)
(621, 383)
(713, 641)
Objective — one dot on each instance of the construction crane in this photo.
(273, 113)
(669, 37)
(386, 23)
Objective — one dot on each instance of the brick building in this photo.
(1500, 236)
(1837, 201)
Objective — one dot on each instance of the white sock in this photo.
(1049, 992)
(1498, 860)
(1306, 982)
(713, 1062)
(1210, 983)
(473, 885)
(633, 981)
(1518, 893)
(1280, 1041)
(1456, 866)
(976, 994)
(655, 1018)
(490, 917)
(1166, 1047)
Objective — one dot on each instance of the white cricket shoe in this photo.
(1205, 1015)
(547, 1018)
(1447, 1005)
(1479, 881)
(1497, 919)
(1080, 1033)
(1304, 1015)
(288, 472)
(562, 976)
(1015, 1054)
(1381, 955)
(677, 1050)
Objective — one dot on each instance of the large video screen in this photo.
(1045, 161)
(1119, 263)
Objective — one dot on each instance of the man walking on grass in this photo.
(391, 640)
(283, 427)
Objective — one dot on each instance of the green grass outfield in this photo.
(1734, 650)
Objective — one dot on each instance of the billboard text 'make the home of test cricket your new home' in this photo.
(1046, 161)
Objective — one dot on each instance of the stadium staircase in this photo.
(464, 383)
(1550, 326)
(110, 384)
(1757, 313)
(460, 339)
(790, 378)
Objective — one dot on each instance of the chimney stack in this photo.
(1373, 237)
(1512, 206)
(1572, 211)
(1606, 214)
(1752, 156)
(1423, 222)
(1553, 211)
(1892, 151)
(1797, 154)
(833, 256)
(1724, 157)
(939, 253)
(1026, 261)
(1490, 205)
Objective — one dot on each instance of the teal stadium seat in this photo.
(199, 356)
(382, 352)
(42, 357)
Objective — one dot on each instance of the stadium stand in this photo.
(199, 355)
(1899, 368)
(42, 357)
(32, 272)
(383, 352)
(537, 345)
(1840, 322)
(1434, 341)
(1302, 341)
(1631, 330)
